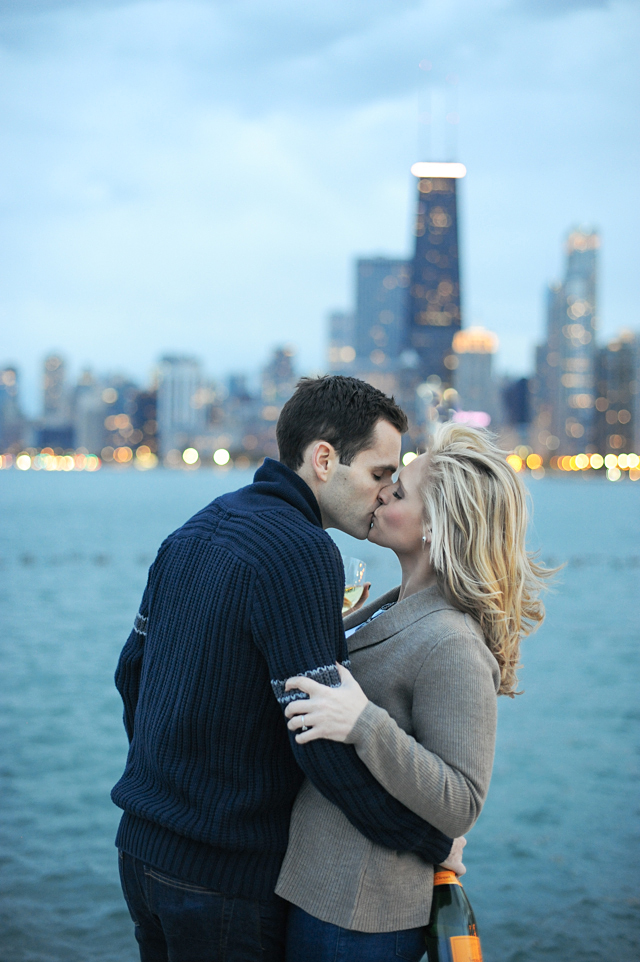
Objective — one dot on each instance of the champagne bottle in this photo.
(451, 935)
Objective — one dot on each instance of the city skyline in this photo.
(201, 185)
(582, 401)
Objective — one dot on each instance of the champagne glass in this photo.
(354, 570)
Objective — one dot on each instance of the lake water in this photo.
(552, 862)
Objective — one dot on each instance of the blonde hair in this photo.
(476, 509)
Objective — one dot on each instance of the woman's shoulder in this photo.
(460, 642)
(445, 632)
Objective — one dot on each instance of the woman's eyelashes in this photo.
(398, 495)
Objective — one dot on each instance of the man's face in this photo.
(350, 496)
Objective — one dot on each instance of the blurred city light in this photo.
(424, 169)
(515, 461)
(476, 419)
(409, 457)
(190, 456)
(221, 456)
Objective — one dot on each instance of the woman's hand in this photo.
(328, 712)
(360, 602)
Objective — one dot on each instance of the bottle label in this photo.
(465, 948)
(445, 878)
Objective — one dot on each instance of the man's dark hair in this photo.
(341, 410)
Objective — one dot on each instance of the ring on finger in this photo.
(304, 727)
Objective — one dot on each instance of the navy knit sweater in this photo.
(244, 595)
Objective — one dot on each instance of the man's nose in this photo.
(384, 494)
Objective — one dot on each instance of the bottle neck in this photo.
(444, 876)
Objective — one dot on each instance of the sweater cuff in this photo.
(369, 720)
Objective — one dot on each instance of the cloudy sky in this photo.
(197, 176)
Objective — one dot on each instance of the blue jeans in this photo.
(310, 940)
(176, 921)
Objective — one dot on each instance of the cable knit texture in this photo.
(428, 735)
(245, 595)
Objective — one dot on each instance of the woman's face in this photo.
(398, 523)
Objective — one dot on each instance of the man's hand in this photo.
(454, 858)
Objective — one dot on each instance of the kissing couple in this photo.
(293, 778)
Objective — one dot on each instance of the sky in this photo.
(197, 176)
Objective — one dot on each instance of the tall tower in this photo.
(381, 297)
(617, 418)
(566, 363)
(54, 388)
(180, 415)
(434, 295)
(342, 353)
(476, 384)
(279, 377)
(572, 327)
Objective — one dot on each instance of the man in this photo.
(245, 595)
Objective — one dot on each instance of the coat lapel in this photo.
(357, 617)
(404, 613)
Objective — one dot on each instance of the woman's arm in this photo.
(442, 774)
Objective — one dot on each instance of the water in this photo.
(552, 861)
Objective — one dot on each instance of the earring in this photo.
(424, 539)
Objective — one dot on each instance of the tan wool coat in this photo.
(428, 735)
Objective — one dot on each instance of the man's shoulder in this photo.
(281, 532)
(254, 528)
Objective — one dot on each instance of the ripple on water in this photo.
(551, 870)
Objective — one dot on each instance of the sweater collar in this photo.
(403, 614)
(278, 481)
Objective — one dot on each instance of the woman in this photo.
(428, 659)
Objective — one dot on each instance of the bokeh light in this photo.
(409, 457)
(221, 456)
(190, 456)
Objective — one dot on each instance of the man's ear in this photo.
(323, 458)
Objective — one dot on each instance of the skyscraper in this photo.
(279, 377)
(342, 335)
(472, 367)
(566, 363)
(56, 406)
(617, 403)
(56, 430)
(180, 414)
(12, 423)
(434, 313)
(381, 306)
